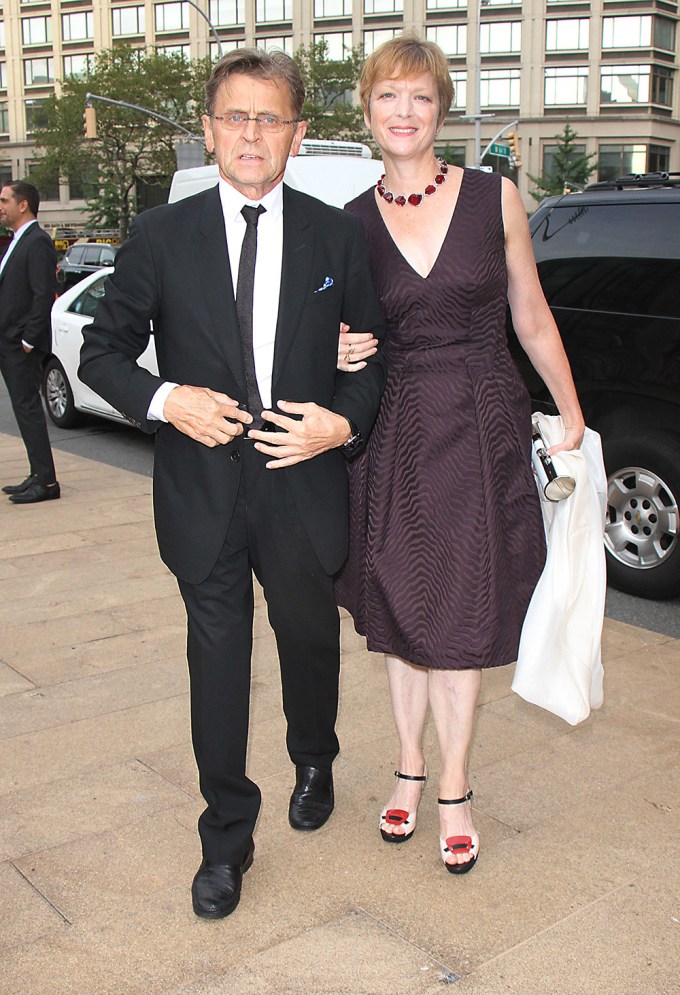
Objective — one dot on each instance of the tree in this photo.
(129, 145)
(571, 168)
(329, 85)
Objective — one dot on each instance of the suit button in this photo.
(235, 457)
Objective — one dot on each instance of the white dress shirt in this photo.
(267, 290)
(10, 249)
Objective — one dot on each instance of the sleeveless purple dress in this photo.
(446, 536)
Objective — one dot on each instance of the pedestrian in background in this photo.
(28, 284)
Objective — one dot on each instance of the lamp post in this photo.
(210, 25)
(477, 116)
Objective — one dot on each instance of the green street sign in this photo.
(497, 149)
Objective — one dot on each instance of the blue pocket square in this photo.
(328, 282)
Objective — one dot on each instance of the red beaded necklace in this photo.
(414, 199)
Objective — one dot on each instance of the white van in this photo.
(334, 172)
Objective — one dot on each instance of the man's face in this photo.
(249, 159)
(11, 214)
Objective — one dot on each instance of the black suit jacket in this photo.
(28, 284)
(174, 270)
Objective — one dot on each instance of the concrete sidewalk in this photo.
(576, 890)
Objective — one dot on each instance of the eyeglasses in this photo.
(269, 123)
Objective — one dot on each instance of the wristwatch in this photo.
(354, 440)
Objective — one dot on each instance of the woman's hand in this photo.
(573, 437)
(354, 348)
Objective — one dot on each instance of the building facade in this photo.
(608, 66)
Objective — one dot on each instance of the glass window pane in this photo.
(566, 85)
(383, 6)
(4, 117)
(36, 30)
(332, 8)
(567, 35)
(282, 43)
(338, 44)
(499, 87)
(501, 36)
(372, 39)
(451, 38)
(617, 160)
(459, 80)
(38, 71)
(227, 12)
(172, 16)
(625, 84)
(76, 65)
(273, 10)
(128, 20)
(626, 32)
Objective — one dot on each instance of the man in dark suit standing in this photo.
(246, 285)
(28, 283)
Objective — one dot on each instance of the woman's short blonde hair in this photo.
(404, 58)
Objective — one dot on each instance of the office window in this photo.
(446, 4)
(658, 158)
(4, 117)
(5, 167)
(459, 80)
(550, 153)
(48, 186)
(128, 21)
(172, 16)
(664, 33)
(35, 115)
(273, 10)
(627, 32)
(281, 43)
(372, 39)
(83, 186)
(184, 51)
(565, 85)
(570, 34)
(502, 3)
(451, 38)
(78, 26)
(233, 43)
(3, 75)
(636, 85)
(617, 160)
(2, 34)
(38, 71)
(499, 87)
(500, 37)
(338, 44)
(76, 65)
(36, 30)
(332, 8)
(227, 12)
(383, 6)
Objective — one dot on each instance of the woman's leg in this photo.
(453, 697)
(408, 694)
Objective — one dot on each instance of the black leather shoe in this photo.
(216, 889)
(19, 488)
(312, 800)
(36, 492)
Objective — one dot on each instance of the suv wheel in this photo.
(642, 537)
(59, 396)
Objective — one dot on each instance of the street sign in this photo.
(497, 149)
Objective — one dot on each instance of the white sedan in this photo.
(66, 396)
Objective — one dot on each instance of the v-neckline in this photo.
(444, 240)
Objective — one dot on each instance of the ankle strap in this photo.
(455, 801)
(410, 777)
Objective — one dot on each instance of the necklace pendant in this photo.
(389, 197)
(415, 199)
(401, 200)
(429, 190)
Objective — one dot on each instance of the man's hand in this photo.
(202, 414)
(319, 430)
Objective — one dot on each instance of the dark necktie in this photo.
(244, 309)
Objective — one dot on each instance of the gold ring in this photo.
(347, 355)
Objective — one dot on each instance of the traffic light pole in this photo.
(507, 127)
(89, 97)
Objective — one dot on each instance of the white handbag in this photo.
(559, 665)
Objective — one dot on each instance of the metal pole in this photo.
(89, 97)
(477, 72)
(210, 25)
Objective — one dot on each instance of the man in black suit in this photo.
(254, 416)
(28, 283)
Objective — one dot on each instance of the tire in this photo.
(59, 396)
(642, 537)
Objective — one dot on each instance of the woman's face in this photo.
(403, 113)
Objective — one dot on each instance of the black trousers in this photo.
(267, 537)
(22, 372)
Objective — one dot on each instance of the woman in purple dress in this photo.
(446, 532)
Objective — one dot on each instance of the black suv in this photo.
(609, 263)
(81, 259)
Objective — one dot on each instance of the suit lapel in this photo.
(296, 274)
(18, 247)
(212, 263)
